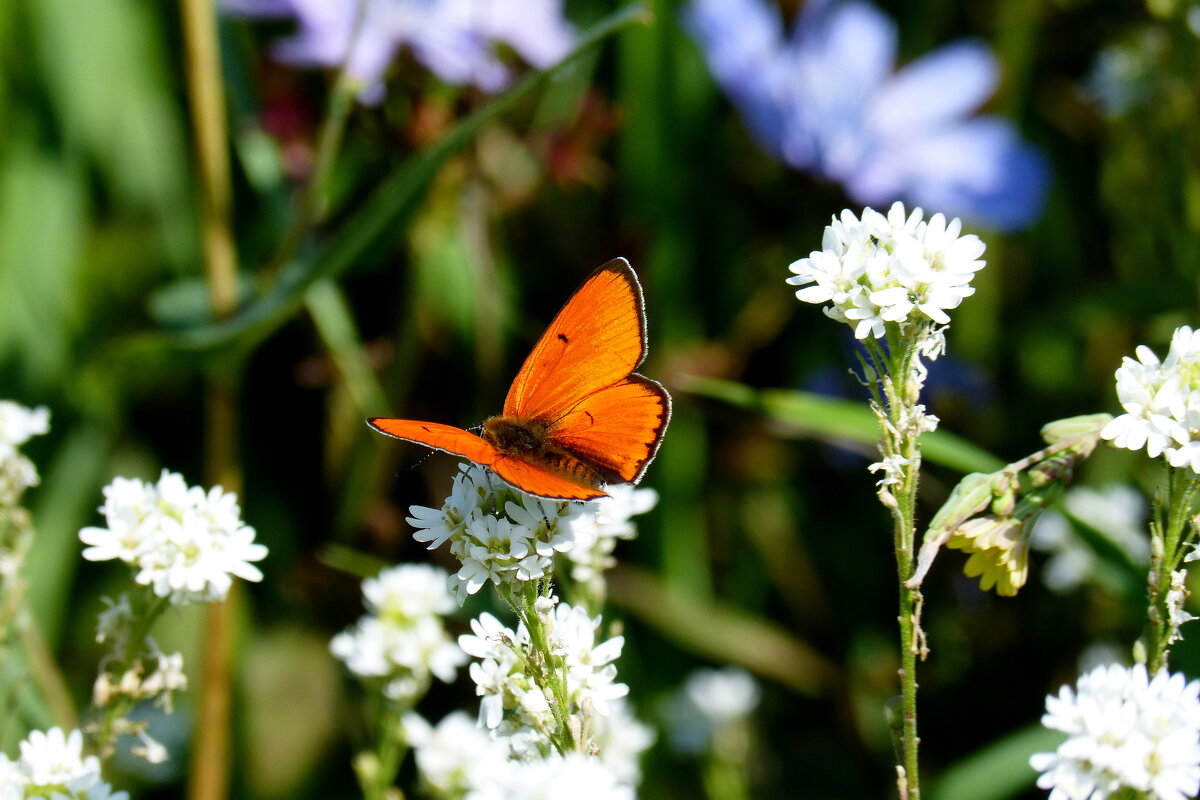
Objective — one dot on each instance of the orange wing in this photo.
(533, 479)
(597, 339)
(515, 471)
(446, 438)
(616, 429)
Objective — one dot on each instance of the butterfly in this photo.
(577, 416)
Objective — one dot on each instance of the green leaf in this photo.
(134, 135)
(1000, 770)
(722, 632)
(382, 212)
(836, 420)
(43, 221)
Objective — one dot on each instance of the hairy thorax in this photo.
(530, 441)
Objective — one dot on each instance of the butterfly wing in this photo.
(597, 339)
(446, 438)
(520, 473)
(616, 430)
(533, 479)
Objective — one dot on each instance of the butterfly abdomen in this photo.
(530, 440)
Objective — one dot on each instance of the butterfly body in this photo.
(577, 417)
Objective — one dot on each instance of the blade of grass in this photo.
(836, 420)
(998, 771)
(721, 632)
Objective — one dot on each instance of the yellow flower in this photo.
(999, 551)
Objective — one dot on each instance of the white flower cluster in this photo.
(575, 775)
(183, 542)
(166, 677)
(52, 765)
(501, 679)
(18, 425)
(710, 706)
(501, 535)
(1116, 512)
(455, 756)
(609, 519)
(458, 758)
(898, 269)
(402, 638)
(1161, 401)
(1123, 730)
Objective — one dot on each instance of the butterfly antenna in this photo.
(418, 462)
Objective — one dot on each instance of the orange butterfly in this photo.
(577, 416)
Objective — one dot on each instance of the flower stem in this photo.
(377, 771)
(548, 670)
(1168, 536)
(899, 437)
(135, 648)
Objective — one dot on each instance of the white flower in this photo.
(167, 677)
(456, 756)
(184, 543)
(55, 757)
(52, 764)
(892, 468)
(500, 535)
(724, 695)
(1176, 597)
(1123, 730)
(12, 780)
(590, 671)
(402, 639)
(17, 425)
(1116, 512)
(408, 591)
(1161, 402)
(622, 739)
(1147, 394)
(895, 269)
(150, 749)
(711, 710)
(490, 639)
(574, 776)
(502, 682)
(600, 525)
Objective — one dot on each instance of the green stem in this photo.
(378, 783)
(135, 647)
(1166, 554)
(548, 671)
(900, 438)
(312, 203)
(334, 322)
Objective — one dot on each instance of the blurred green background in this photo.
(767, 548)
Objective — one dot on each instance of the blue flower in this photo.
(829, 101)
(455, 39)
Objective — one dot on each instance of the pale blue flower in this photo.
(455, 39)
(829, 101)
